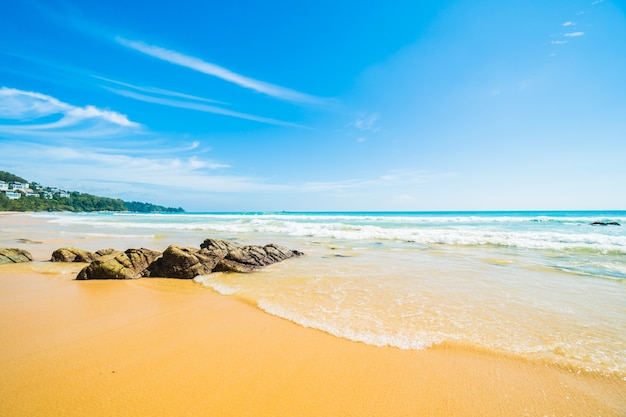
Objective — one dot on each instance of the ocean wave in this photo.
(575, 355)
(413, 341)
(366, 218)
(535, 232)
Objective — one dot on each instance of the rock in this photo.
(176, 261)
(71, 254)
(216, 255)
(130, 264)
(14, 256)
(280, 253)
(236, 258)
(605, 224)
(142, 258)
(218, 247)
(103, 252)
(226, 265)
(182, 262)
(29, 241)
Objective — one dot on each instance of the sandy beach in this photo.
(157, 347)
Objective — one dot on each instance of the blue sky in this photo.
(362, 105)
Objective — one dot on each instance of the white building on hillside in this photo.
(19, 186)
(4, 186)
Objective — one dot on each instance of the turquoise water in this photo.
(547, 286)
(561, 240)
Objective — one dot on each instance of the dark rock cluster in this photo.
(176, 261)
(605, 224)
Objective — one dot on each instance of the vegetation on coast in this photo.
(44, 198)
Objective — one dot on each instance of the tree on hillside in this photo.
(49, 199)
(8, 177)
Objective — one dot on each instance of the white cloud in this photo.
(597, 2)
(26, 105)
(402, 178)
(558, 42)
(160, 91)
(91, 112)
(225, 74)
(367, 122)
(574, 34)
(569, 23)
(30, 107)
(200, 107)
(168, 173)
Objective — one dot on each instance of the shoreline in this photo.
(174, 347)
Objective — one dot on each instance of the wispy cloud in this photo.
(127, 165)
(402, 178)
(564, 38)
(200, 107)
(32, 111)
(165, 175)
(367, 122)
(574, 34)
(160, 91)
(225, 74)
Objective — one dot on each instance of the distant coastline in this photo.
(20, 195)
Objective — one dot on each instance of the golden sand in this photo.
(156, 347)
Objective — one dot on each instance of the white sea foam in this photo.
(403, 341)
(533, 232)
(588, 355)
(211, 281)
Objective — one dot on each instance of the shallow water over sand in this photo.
(415, 299)
(546, 288)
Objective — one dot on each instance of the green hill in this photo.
(42, 198)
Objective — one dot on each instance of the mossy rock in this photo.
(14, 256)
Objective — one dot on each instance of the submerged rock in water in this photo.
(605, 224)
(176, 261)
(119, 265)
(14, 256)
(28, 241)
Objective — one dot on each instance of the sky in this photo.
(447, 105)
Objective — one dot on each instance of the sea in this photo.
(547, 286)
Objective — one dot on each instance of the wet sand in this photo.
(155, 347)
(158, 347)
